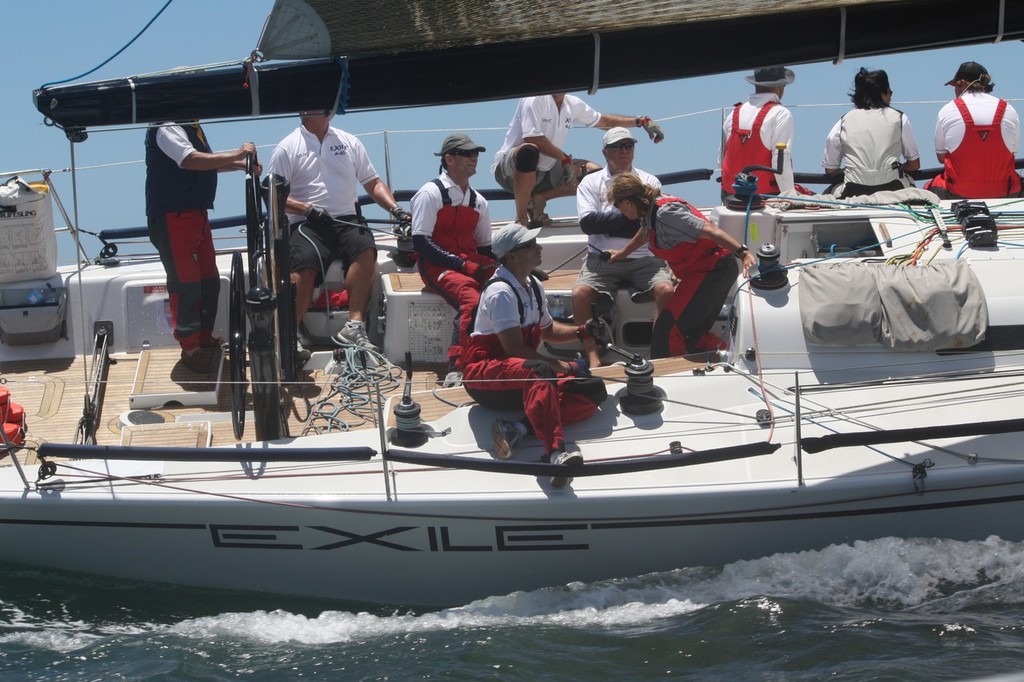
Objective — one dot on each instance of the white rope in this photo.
(254, 88)
(595, 80)
(1002, 21)
(842, 36)
(135, 118)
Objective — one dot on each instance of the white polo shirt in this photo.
(538, 116)
(329, 175)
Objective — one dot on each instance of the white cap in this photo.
(618, 135)
(511, 236)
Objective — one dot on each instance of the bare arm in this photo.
(638, 240)
(726, 241)
(219, 161)
(512, 344)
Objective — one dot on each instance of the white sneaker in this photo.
(573, 459)
(302, 355)
(452, 380)
(354, 333)
(506, 437)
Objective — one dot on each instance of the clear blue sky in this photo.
(64, 38)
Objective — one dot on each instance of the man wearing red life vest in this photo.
(754, 128)
(451, 233)
(976, 139)
(701, 256)
(503, 368)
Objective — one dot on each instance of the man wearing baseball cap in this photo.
(754, 129)
(607, 229)
(503, 369)
(976, 140)
(532, 162)
(451, 234)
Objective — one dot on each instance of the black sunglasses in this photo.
(619, 146)
(462, 152)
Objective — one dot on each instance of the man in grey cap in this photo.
(607, 229)
(753, 131)
(504, 369)
(451, 234)
(976, 139)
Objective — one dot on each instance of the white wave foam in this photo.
(892, 573)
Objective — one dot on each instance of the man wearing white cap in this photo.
(502, 368)
(751, 133)
(532, 162)
(607, 229)
(451, 233)
(976, 139)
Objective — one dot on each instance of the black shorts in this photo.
(316, 247)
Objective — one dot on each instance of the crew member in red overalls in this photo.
(451, 233)
(976, 139)
(701, 256)
(181, 183)
(754, 129)
(503, 368)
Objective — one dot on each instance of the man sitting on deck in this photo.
(607, 229)
(451, 232)
(502, 368)
(532, 162)
(976, 138)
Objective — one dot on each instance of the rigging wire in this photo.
(111, 57)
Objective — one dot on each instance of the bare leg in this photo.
(359, 282)
(304, 281)
(582, 299)
(523, 189)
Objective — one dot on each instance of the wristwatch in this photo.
(740, 251)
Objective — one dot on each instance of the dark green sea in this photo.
(883, 610)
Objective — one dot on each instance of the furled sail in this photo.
(407, 53)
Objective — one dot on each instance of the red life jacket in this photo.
(744, 148)
(454, 230)
(488, 346)
(687, 257)
(982, 166)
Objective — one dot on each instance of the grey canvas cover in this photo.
(928, 307)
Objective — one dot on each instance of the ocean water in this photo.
(889, 609)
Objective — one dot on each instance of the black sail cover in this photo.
(408, 53)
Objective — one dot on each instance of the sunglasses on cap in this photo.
(619, 146)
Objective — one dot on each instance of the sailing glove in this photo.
(652, 129)
(597, 329)
(579, 367)
(401, 215)
(318, 217)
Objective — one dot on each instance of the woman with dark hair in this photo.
(869, 141)
(702, 257)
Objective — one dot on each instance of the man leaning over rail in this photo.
(502, 367)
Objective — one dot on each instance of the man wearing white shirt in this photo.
(532, 162)
(607, 229)
(325, 167)
(976, 140)
(752, 131)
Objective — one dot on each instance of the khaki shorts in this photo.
(641, 275)
(505, 174)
